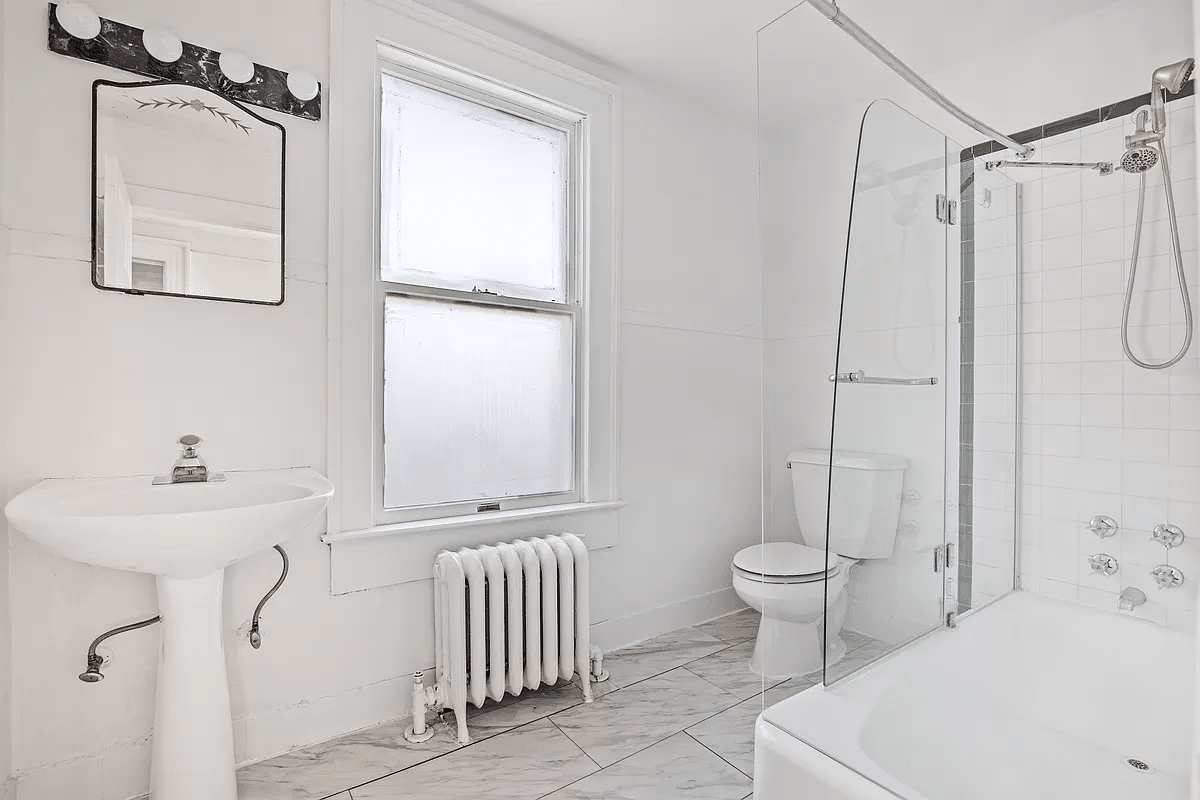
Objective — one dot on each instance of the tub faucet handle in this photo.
(1103, 526)
(1168, 535)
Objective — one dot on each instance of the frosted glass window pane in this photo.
(470, 196)
(478, 402)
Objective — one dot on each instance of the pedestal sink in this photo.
(185, 535)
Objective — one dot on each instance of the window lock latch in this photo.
(477, 290)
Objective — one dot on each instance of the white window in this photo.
(473, 293)
(477, 277)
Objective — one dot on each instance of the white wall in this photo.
(1103, 436)
(100, 383)
(808, 156)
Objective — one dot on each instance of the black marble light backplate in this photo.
(120, 46)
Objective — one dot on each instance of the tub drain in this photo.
(1140, 766)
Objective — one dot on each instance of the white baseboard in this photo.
(620, 631)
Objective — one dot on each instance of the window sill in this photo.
(402, 553)
(470, 520)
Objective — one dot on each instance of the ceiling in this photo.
(706, 49)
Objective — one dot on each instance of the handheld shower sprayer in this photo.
(1169, 78)
(1146, 148)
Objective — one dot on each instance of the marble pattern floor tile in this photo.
(730, 734)
(730, 670)
(676, 767)
(624, 722)
(323, 770)
(658, 655)
(733, 628)
(511, 712)
(522, 764)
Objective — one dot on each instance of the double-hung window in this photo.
(479, 298)
(473, 287)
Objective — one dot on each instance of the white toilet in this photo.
(785, 581)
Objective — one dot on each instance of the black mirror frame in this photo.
(282, 195)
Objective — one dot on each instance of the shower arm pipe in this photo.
(831, 12)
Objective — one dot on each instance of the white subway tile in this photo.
(1066, 220)
(1101, 344)
(1102, 213)
(1146, 445)
(1101, 410)
(1060, 378)
(1097, 442)
(1144, 480)
(1184, 483)
(1138, 381)
(1100, 246)
(1062, 284)
(1100, 475)
(1060, 440)
(1059, 590)
(1103, 279)
(1062, 189)
(1100, 377)
(1185, 413)
(1102, 312)
(1146, 411)
(1061, 346)
(1065, 251)
(1062, 315)
(1185, 448)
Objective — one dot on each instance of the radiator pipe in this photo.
(255, 636)
(94, 661)
(599, 674)
(418, 731)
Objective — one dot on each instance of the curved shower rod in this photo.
(829, 9)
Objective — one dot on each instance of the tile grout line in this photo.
(735, 767)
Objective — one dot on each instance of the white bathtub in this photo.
(1030, 698)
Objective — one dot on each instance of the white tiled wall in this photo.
(1100, 435)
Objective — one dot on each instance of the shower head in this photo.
(1168, 78)
(1139, 158)
(1172, 76)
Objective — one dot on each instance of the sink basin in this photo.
(182, 530)
(185, 534)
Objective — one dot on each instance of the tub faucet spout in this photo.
(1131, 598)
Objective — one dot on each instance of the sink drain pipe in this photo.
(94, 661)
(255, 636)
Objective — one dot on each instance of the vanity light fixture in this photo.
(303, 85)
(236, 66)
(79, 20)
(163, 45)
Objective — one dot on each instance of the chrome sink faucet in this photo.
(189, 467)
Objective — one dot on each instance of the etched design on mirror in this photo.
(188, 194)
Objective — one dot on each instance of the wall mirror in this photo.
(187, 194)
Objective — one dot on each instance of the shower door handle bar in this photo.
(861, 377)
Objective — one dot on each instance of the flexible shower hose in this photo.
(1179, 271)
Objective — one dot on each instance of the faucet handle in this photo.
(190, 442)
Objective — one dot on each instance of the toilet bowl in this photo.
(785, 582)
(789, 582)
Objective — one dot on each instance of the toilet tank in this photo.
(866, 499)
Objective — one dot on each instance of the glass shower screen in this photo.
(889, 465)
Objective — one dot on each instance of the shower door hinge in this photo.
(946, 210)
(939, 557)
(951, 619)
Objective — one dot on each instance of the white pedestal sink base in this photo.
(192, 747)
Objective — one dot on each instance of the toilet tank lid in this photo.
(784, 559)
(847, 459)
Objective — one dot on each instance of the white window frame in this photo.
(371, 546)
(422, 71)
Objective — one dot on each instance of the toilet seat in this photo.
(785, 563)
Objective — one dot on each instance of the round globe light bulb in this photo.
(162, 44)
(303, 85)
(237, 66)
(78, 19)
